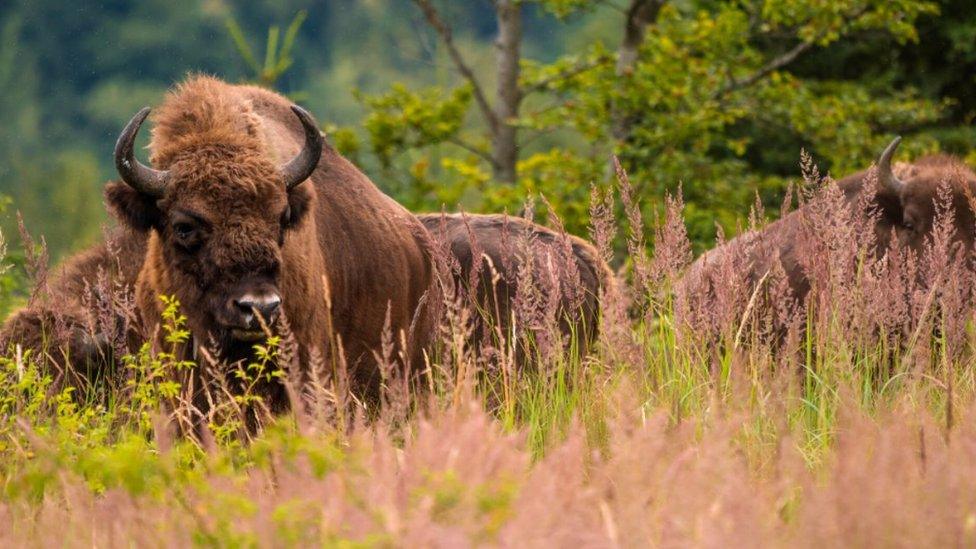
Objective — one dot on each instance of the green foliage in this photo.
(68, 183)
(153, 378)
(710, 104)
(276, 60)
(401, 119)
(12, 283)
(565, 8)
(703, 118)
(70, 78)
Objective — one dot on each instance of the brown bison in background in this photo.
(898, 204)
(249, 213)
(513, 269)
(83, 316)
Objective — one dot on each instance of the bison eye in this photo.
(285, 224)
(186, 234)
(183, 231)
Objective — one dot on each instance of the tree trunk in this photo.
(640, 14)
(507, 45)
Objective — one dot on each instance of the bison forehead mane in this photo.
(929, 172)
(203, 110)
(227, 177)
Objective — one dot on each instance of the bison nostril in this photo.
(270, 307)
(265, 305)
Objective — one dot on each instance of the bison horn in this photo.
(886, 177)
(138, 176)
(298, 169)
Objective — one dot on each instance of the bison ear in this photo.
(131, 207)
(299, 202)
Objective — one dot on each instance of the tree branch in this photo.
(639, 14)
(457, 141)
(435, 21)
(773, 65)
(508, 56)
(575, 70)
(780, 61)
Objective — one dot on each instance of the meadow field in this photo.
(657, 130)
(681, 427)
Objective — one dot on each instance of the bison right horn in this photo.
(138, 176)
(886, 177)
(298, 169)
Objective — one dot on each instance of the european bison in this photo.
(83, 315)
(523, 271)
(900, 206)
(248, 213)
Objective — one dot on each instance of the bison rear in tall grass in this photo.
(884, 240)
(522, 280)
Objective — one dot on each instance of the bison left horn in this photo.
(138, 176)
(298, 169)
(886, 177)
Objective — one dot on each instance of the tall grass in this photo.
(743, 419)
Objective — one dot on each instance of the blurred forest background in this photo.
(480, 104)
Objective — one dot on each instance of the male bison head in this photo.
(220, 212)
(909, 198)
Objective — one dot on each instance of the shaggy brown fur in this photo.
(908, 216)
(74, 321)
(346, 260)
(502, 244)
(341, 253)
